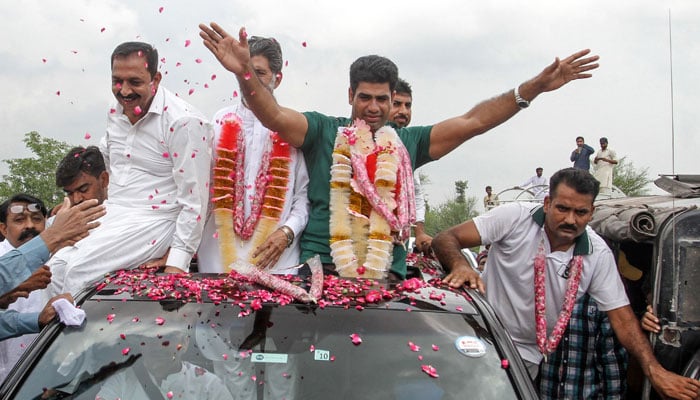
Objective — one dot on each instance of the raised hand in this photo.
(561, 72)
(232, 54)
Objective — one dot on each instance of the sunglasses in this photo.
(19, 208)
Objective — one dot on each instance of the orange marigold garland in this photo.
(228, 197)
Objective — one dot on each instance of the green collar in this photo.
(583, 245)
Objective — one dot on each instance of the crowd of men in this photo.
(263, 183)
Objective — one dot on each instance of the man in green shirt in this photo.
(372, 87)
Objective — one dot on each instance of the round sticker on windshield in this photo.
(470, 346)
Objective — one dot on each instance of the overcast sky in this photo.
(454, 53)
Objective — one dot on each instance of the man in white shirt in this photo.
(604, 162)
(157, 149)
(273, 213)
(550, 248)
(401, 109)
(538, 183)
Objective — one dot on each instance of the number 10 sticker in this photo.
(322, 355)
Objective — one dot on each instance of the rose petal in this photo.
(160, 320)
(435, 347)
(126, 350)
(356, 339)
(413, 346)
(430, 370)
(187, 42)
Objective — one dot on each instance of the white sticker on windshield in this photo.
(273, 358)
(322, 355)
(470, 346)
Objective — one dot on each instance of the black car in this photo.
(200, 336)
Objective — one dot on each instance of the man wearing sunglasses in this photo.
(22, 218)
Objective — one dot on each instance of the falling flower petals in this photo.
(160, 320)
(126, 350)
(356, 339)
(122, 336)
(312, 348)
(505, 364)
(58, 93)
(213, 77)
(110, 318)
(103, 29)
(160, 9)
(137, 110)
(87, 136)
(303, 44)
(198, 60)
(187, 42)
(235, 93)
(413, 346)
(435, 347)
(247, 76)
(191, 91)
(43, 60)
(224, 356)
(430, 370)
(166, 154)
(169, 394)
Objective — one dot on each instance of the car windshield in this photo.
(147, 349)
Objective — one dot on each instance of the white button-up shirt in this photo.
(160, 166)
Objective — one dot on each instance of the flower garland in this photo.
(548, 345)
(361, 236)
(268, 199)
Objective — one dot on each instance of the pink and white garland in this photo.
(547, 345)
(361, 244)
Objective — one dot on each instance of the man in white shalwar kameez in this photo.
(279, 252)
(157, 149)
(604, 163)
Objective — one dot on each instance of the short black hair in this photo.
(268, 48)
(603, 140)
(21, 198)
(580, 137)
(403, 87)
(488, 187)
(145, 49)
(373, 69)
(539, 169)
(80, 159)
(579, 179)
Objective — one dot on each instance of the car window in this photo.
(133, 349)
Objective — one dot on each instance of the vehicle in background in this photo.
(656, 240)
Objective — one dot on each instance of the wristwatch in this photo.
(522, 103)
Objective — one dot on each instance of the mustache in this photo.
(567, 227)
(129, 97)
(28, 234)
